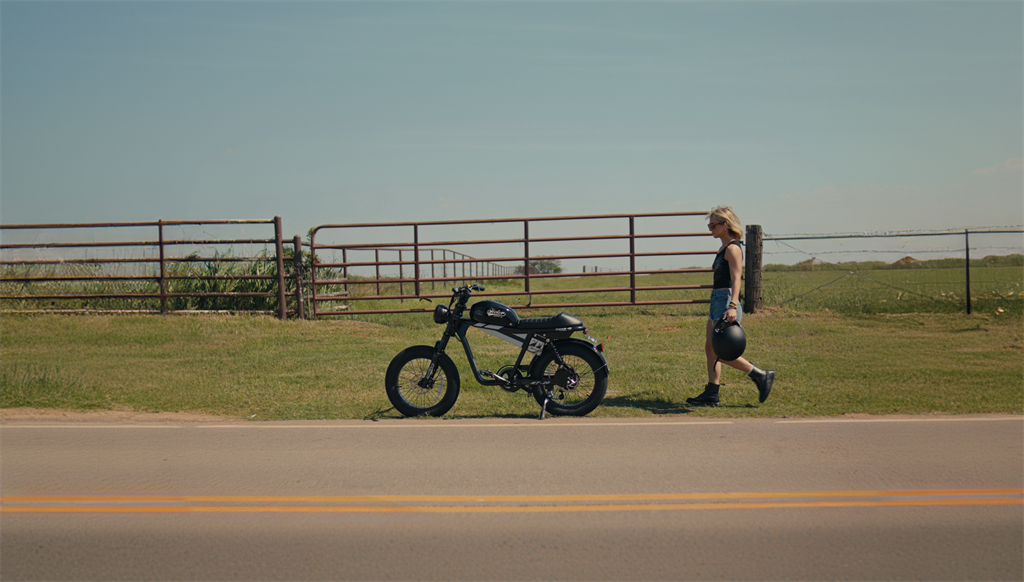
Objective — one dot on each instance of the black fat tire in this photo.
(588, 369)
(402, 383)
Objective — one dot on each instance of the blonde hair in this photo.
(732, 222)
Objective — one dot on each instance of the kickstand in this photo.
(544, 407)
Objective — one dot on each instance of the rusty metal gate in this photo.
(138, 276)
(374, 268)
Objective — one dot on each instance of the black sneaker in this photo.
(764, 384)
(707, 398)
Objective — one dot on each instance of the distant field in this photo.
(880, 291)
(897, 291)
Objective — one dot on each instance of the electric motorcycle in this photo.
(566, 375)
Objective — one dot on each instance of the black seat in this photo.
(561, 320)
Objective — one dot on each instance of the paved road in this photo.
(563, 499)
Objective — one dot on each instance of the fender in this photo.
(578, 342)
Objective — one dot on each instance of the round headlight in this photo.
(440, 314)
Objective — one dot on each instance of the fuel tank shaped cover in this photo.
(494, 313)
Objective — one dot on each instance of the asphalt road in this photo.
(918, 498)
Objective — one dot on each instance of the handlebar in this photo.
(470, 288)
(460, 295)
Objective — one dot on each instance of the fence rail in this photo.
(153, 290)
(388, 264)
(520, 266)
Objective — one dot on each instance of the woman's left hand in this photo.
(730, 314)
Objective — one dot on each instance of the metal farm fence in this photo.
(46, 271)
(382, 265)
(585, 261)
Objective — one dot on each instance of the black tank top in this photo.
(722, 274)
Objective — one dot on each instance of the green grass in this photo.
(261, 368)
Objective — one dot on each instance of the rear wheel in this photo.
(412, 392)
(578, 386)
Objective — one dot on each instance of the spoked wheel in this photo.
(578, 387)
(412, 392)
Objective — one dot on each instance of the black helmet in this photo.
(728, 340)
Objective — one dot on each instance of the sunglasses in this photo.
(712, 225)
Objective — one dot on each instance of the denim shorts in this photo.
(720, 302)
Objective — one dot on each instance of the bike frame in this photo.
(458, 327)
(528, 342)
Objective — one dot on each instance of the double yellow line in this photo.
(501, 503)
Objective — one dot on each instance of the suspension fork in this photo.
(439, 350)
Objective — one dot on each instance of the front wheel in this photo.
(412, 391)
(578, 387)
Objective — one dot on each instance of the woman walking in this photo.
(725, 303)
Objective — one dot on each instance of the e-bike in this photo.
(566, 375)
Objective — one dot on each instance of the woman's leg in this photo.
(714, 369)
(710, 395)
(742, 365)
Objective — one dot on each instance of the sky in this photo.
(805, 117)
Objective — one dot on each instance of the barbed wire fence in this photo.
(956, 270)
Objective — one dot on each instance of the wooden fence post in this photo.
(752, 290)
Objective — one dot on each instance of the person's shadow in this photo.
(659, 405)
(652, 405)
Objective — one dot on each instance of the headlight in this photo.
(440, 314)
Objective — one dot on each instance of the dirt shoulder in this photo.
(114, 416)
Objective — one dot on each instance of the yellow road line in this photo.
(501, 508)
(99, 498)
(548, 503)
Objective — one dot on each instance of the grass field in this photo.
(861, 339)
(255, 367)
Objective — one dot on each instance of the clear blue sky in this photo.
(804, 116)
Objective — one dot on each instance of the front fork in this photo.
(428, 379)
